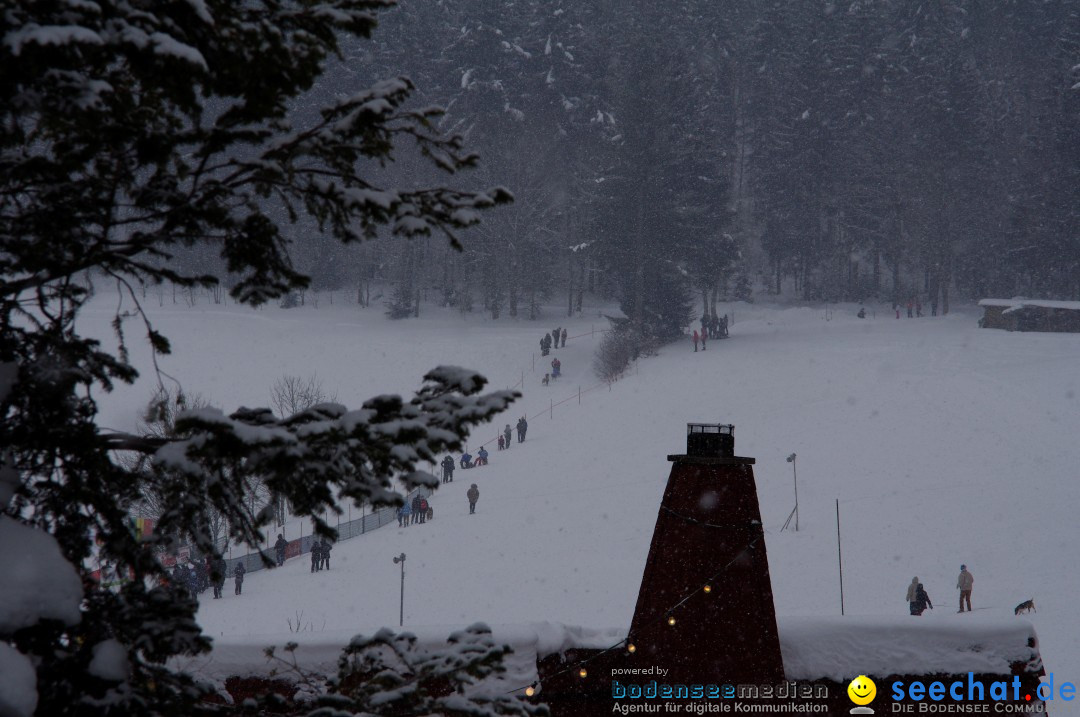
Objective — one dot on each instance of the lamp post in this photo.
(795, 475)
(401, 613)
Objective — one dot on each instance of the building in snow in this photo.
(1030, 315)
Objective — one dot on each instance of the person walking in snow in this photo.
(481, 457)
(238, 576)
(400, 515)
(406, 513)
(556, 367)
(466, 460)
(473, 494)
(506, 435)
(964, 583)
(447, 469)
(555, 335)
(218, 569)
(192, 577)
(279, 549)
(922, 601)
(502, 443)
(564, 338)
(695, 340)
(910, 302)
(704, 337)
(918, 308)
(325, 554)
(522, 426)
(316, 555)
(202, 575)
(416, 508)
(911, 590)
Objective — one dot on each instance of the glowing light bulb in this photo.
(671, 620)
(530, 691)
(708, 588)
(583, 672)
(631, 647)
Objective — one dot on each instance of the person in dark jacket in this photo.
(522, 427)
(473, 494)
(423, 510)
(447, 469)
(416, 508)
(218, 569)
(922, 601)
(179, 576)
(238, 576)
(202, 575)
(564, 338)
(506, 435)
(192, 577)
(325, 553)
(316, 555)
(279, 548)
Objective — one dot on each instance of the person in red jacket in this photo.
(695, 339)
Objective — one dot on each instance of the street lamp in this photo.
(795, 475)
(401, 614)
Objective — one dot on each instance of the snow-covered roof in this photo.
(1019, 303)
(813, 648)
(838, 648)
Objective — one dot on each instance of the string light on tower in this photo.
(668, 616)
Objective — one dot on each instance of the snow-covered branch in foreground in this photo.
(388, 673)
(318, 456)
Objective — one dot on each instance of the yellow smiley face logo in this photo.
(862, 690)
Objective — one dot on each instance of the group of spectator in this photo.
(418, 510)
(320, 555)
(552, 340)
(197, 576)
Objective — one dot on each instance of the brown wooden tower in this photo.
(705, 607)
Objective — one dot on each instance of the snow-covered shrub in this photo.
(617, 349)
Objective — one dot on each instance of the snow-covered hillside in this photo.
(945, 444)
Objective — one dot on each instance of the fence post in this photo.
(579, 395)
(551, 415)
(534, 363)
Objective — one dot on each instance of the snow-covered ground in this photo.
(945, 444)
